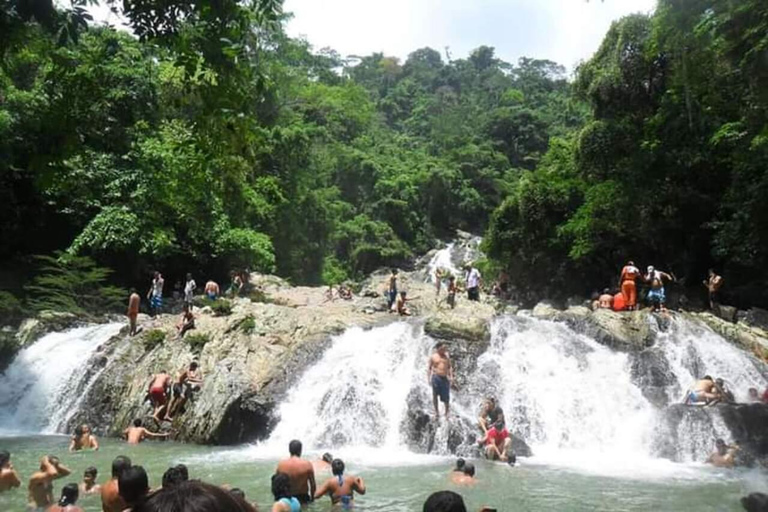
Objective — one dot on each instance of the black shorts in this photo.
(441, 387)
(473, 293)
(303, 498)
(180, 390)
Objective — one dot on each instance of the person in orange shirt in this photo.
(629, 275)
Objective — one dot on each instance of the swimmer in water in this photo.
(41, 482)
(324, 464)
(9, 478)
(69, 495)
(137, 433)
(83, 439)
(466, 477)
(89, 485)
(341, 488)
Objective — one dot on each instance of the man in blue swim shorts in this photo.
(440, 377)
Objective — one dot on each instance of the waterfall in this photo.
(442, 259)
(46, 381)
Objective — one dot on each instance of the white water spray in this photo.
(44, 384)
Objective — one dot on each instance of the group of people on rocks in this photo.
(168, 396)
(397, 300)
(708, 391)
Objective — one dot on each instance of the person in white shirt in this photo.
(189, 290)
(473, 279)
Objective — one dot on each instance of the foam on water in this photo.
(44, 384)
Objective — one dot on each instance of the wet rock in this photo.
(545, 311)
(448, 326)
(651, 372)
(727, 313)
(749, 337)
(33, 329)
(755, 317)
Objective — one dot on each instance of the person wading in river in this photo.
(9, 478)
(137, 433)
(301, 473)
(83, 439)
(110, 492)
(724, 455)
(69, 495)
(41, 482)
(440, 377)
(89, 485)
(341, 488)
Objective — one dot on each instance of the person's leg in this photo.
(434, 403)
(507, 449)
(489, 452)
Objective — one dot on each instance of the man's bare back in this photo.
(9, 479)
(41, 482)
(301, 472)
(135, 435)
(110, 497)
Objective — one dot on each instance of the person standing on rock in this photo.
(159, 389)
(155, 293)
(41, 482)
(301, 473)
(440, 377)
(713, 283)
(657, 296)
(9, 478)
(110, 493)
(392, 289)
(189, 291)
(473, 280)
(628, 285)
(451, 289)
(212, 290)
(133, 311)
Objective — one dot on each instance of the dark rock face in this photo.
(651, 373)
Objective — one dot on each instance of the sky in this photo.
(565, 31)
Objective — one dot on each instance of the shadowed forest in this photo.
(209, 140)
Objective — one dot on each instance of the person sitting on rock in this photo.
(753, 396)
(345, 292)
(702, 392)
(497, 442)
(724, 455)
(137, 433)
(466, 476)
(400, 304)
(724, 394)
(490, 414)
(606, 299)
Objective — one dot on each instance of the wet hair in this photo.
(137, 422)
(91, 471)
(469, 469)
(439, 345)
(337, 467)
(238, 493)
(460, 464)
(156, 274)
(5, 457)
(719, 442)
(327, 457)
(193, 496)
(607, 290)
(394, 271)
(189, 275)
(53, 460)
(120, 464)
(452, 278)
(751, 391)
(281, 486)
(707, 377)
(183, 470)
(133, 484)
(444, 501)
(173, 476)
(491, 399)
(69, 495)
(294, 448)
(79, 430)
(402, 293)
(193, 365)
(755, 502)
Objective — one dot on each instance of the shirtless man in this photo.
(400, 305)
(89, 485)
(41, 482)
(724, 456)
(606, 299)
(440, 377)
(158, 390)
(702, 392)
(187, 381)
(83, 439)
(464, 477)
(301, 473)
(657, 296)
(212, 290)
(137, 433)
(341, 488)
(713, 283)
(9, 478)
(133, 311)
(110, 491)
(324, 464)
(490, 414)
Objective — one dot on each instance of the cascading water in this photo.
(443, 259)
(46, 381)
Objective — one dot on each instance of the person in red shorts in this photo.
(497, 442)
(158, 393)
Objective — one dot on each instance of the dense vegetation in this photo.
(213, 141)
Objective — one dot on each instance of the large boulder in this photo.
(748, 335)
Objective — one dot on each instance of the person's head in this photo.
(452, 278)
(69, 494)
(79, 431)
(185, 308)
(499, 425)
(394, 271)
(133, 484)
(631, 263)
(172, 476)
(183, 470)
(90, 474)
(294, 448)
(720, 446)
(650, 268)
(402, 294)
(281, 486)
(469, 469)
(490, 401)
(137, 422)
(719, 382)
(755, 502)
(440, 347)
(238, 493)
(193, 365)
(711, 272)
(707, 377)
(327, 457)
(5, 459)
(156, 274)
(193, 496)
(337, 467)
(52, 459)
(459, 464)
(606, 291)
(444, 501)
(189, 276)
(120, 464)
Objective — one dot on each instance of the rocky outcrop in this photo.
(44, 322)
(750, 332)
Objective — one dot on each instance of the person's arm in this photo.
(94, 443)
(13, 479)
(322, 491)
(61, 471)
(359, 485)
(155, 435)
(429, 371)
(667, 277)
(482, 422)
(72, 444)
(279, 507)
(312, 484)
(450, 368)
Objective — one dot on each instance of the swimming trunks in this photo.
(441, 387)
(158, 394)
(211, 295)
(156, 301)
(473, 293)
(657, 296)
(293, 502)
(302, 498)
